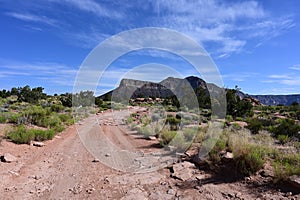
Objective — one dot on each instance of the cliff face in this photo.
(184, 88)
(129, 88)
(278, 99)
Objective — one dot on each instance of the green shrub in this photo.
(57, 108)
(20, 135)
(2, 119)
(166, 137)
(145, 131)
(214, 154)
(250, 159)
(51, 121)
(41, 135)
(286, 127)
(254, 125)
(286, 165)
(14, 118)
(283, 139)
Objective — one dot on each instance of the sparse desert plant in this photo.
(2, 119)
(249, 159)
(214, 154)
(286, 165)
(282, 139)
(180, 142)
(254, 125)
(20, 135)
(129, 120)
(166, 136)
(145, 131)
(286, 127)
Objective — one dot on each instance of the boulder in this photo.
(7, 157)
(295, 181)
(183, 171)
(228, 155)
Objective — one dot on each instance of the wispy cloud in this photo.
(284, 79)
(33, 18)
(52, 72)
(295, 67)
(94, 7)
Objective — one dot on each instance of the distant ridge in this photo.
(278, 99)
(130, 88)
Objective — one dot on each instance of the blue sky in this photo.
(255, 44)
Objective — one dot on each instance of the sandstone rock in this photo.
(228, 155)
(295, 181)
(37, 144)
(96, 160)
(171, 192)
(152, 138)
(7, 157)
(183, 171)
(267, 173)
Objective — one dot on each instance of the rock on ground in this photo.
(7, 157)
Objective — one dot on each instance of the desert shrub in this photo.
(173, 122)
(180, 143)
(250, 159)
(286, 127)
(254, 125)
(286, 165)
(190, 133)
(283, 139)
(129, 120)
(41, 135)
(145, 131)
(20, 135)
(14, 118)
(263, 138)
(59, 128)
(51, 121)
(70, 121)
(214, 154)
(57, 108)
(65, 117)
(155, 117)
(166, 137)
(2, 119)
(229, 118)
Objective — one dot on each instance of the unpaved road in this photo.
(64, 169)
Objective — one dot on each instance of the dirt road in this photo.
(66, 169)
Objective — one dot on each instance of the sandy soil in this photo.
(65, 169)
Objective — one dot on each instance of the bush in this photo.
(283, 139)
(167, 136)
(214, 154)
(250, 160)
(41, 135)
(286, 127)
(14, 118)
(254, 125)
(20, 135)
(2, 119)
(145, 131)
(286, 165)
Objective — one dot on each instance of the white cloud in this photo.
(94, 7)
(52, 72)
(33, 18)
(279, 76)
(284, 79)
(295, 67)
